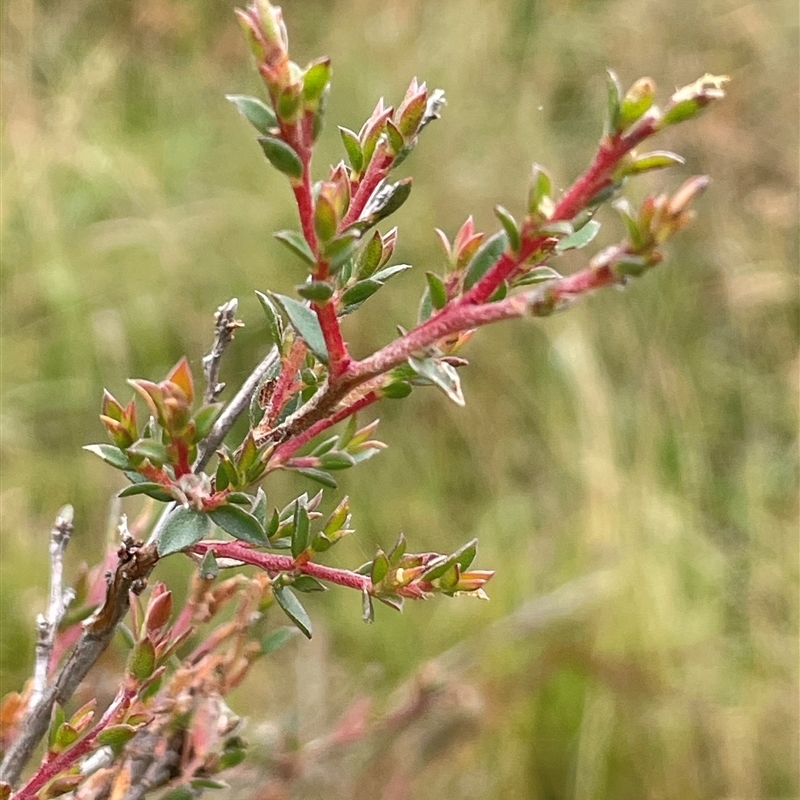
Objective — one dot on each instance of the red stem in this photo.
(377, 170)
(290, 447)
(273, 563)
(64, 760)
(338, 357)
(597, 177)
(283, 387)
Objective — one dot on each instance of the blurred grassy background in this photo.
(643, 444)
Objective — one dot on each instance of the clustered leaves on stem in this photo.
(315, 383)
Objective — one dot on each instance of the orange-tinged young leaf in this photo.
(83, 716)
(111, 407)
(159, 610)
(465, 233)
(181, 375)
(152, 395)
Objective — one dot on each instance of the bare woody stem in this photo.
(47, 624)
(225, 325)
(135, 562)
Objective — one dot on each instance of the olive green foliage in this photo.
(646, 440)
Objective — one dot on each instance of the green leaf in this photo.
(560, 227)
(681, 111)
(465, 555)
(259, 510)
(614, 89)
(110, 454)
(204, 419)
(325, 219)
(340, 249)
(282, 157)
(486, 256)
(297, 244)
(274, 324)
(539, 191)
(301, 530)
(183, 528)
(384, 274)
(624, 208)
(276, 639)
(150, 488)
(437, 290)
(385, 201)
(631, 266)
(142, 660)
(367, 609)
(207, 783)
(240, 524)
(425, 310)
(116, 736)
(239, 498)
(398, 551)
(316, 79)
(353, 148)
(336, 460)
(440, 374)
(393, 601)
(180, 793)
(397, 390)
(638, 99)
(318, 475)
(380, 568)
(647, 162)
(510, 227)
(360, 292)
(538, 275)
(580, 238)
(338, 517)
(259, 115)
(248, 454)
(305, 322)
(370, 256)
(209, 569)
(287, 600)
(307, 584)
(316, 291)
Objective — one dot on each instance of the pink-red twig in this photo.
(377, 170)
(289, 448)
(274, 563)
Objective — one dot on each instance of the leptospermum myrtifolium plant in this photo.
(303, 401)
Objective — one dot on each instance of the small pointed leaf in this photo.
(274, 324)
(580, 238)
(293, 608)
(488, 254)
(282, 157)
(305, 322)
(259, 115)
(437, 290)
(316, 291)
(183, 528)
(240, 524)
(353, 148)
(297, 244)
(150, 488)
(440, 374)
(110, 454)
